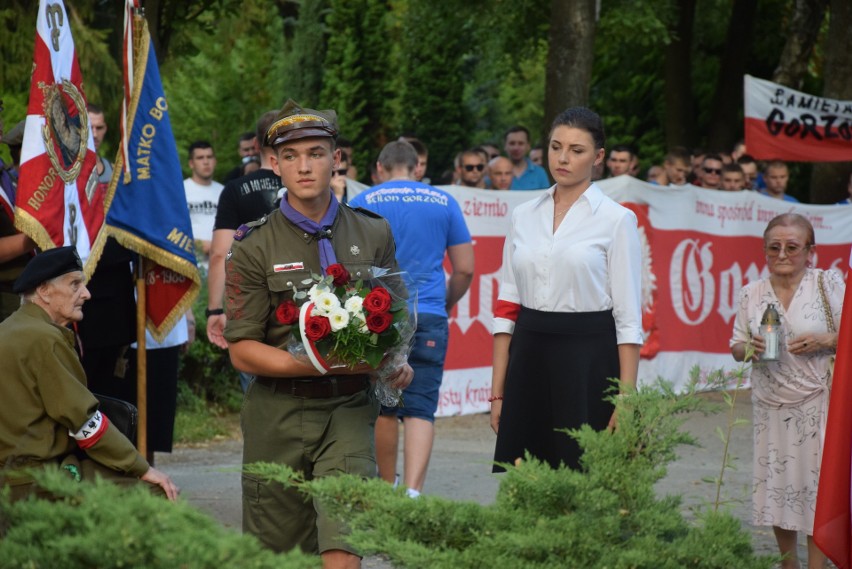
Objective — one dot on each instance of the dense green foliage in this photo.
(455, 73)
(354, 83)
(206, 373)
(105, 526)
(606, 516)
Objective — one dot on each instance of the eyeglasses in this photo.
(791, 249)
(341, 172)
(716, 171)
(470, 167)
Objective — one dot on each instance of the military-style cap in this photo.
(14, 137)
(47, 265)
(293, 122)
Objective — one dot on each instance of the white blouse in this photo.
(593, 262)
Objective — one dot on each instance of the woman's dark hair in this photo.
(584, 119)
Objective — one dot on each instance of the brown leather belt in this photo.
(319, 388)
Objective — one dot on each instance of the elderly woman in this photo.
(790, 394)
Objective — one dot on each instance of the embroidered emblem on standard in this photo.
(354, 250)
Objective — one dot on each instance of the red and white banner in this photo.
(784, 124)
(701, 246)
(833, 519)
(59, 201)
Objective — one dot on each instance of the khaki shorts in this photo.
(318, 437)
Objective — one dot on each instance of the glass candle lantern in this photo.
(770, 329)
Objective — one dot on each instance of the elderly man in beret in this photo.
(47, 415)
(320, 425)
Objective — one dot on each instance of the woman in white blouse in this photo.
(568, 315)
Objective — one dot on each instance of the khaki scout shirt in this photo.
(265, 268)
(43, 396)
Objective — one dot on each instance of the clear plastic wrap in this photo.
(344, 323)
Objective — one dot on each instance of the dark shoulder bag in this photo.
(122, 415)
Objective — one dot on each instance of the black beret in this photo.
(47, 265)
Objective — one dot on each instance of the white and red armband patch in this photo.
(91, 431)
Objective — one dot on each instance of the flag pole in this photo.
(141, 360)
(141, 299)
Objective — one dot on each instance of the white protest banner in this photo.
(784, 124)
(701, 246)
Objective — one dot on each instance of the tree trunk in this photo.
(801, 37)
(726, 124)
(570, 57)
(829, 180)
(680, 121)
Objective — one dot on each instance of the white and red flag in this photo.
(59, 201)
(784, 124)
(833, 519)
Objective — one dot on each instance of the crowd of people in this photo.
(563, 323)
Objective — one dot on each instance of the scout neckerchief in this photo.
(321, 231)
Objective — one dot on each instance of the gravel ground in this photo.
(460, 469)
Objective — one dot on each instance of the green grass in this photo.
(198, 420)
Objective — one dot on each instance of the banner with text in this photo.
(784, 124)
(701, 246)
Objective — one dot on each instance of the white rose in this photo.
(354, 304)
(313, 292)
(338, 318)
(325, 302)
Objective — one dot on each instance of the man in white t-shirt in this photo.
(202, 193)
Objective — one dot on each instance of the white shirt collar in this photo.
(593, 195)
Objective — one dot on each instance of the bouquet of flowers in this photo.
(344, 323)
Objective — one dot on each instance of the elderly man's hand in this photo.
(161, 479)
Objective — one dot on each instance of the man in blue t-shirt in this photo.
(526, 175)
(426, 223)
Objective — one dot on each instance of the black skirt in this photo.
(557, 377)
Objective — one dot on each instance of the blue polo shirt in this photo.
(425, 221)
(785, 197)
(533, 178)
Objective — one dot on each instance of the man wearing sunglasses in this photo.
(472, 169)
(710, 174)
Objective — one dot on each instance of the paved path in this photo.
(460, 469)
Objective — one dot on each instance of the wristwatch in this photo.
(213, 312)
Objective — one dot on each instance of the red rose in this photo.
(287, 312)
(339, 273)
(378, 322)
(378, 300)
(317, 328)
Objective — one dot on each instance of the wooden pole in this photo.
(141, 360)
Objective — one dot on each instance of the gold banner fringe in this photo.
(169, 261)
(32, 227)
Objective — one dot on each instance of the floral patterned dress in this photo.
(790, 400)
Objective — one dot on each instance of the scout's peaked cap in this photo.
(293, 122)
(47, 265)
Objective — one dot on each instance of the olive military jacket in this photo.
(43, 396)
(274, 259)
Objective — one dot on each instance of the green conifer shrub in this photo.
(104, 526)
(605, 516)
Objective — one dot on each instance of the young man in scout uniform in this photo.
(318, 425)
(49, 414)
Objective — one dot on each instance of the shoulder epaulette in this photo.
(363, 211)
(246, 228)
